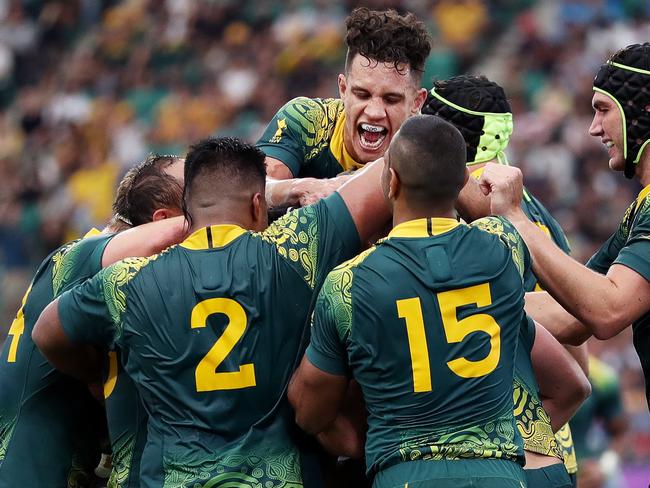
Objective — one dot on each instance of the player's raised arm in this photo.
(601, 302)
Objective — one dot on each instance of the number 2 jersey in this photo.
(210, 332)
(428, 323)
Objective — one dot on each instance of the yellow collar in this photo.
(212, 237)
(92, 232)
(337, 147)
(642, 194)
(424, 227)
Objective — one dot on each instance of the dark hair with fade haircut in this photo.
(387, 37)
(474, 93)
(146, 188)
(227, 161)
(428, 154)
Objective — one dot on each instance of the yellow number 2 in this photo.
(207, 379)
(17, 328)
(410, 309)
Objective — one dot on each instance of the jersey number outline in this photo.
(206, 376)
(410, 309)
(17, 328)
(111, 381)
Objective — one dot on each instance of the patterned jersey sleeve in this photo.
(91, 313)
(315, 238)
(635, 254)
(298, 132)
(331, 324)
(509, 236)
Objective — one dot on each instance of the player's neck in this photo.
(402, 212)
(209, 216)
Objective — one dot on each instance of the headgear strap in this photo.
(629, 87)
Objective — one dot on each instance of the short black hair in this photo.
(387, 37)
(428, 154)
(146, 188)
(222, 165)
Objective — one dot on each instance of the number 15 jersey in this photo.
(428, 322)
(210, 332)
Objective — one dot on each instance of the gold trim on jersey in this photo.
(92, 232)
(424, 227)
(642, 194)
(338, 149)
(213, 236)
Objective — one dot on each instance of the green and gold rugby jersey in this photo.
(127, 423)
(48, 421)
(539, 215)
(307, 136)
(210, 332)
(630, 246)
(533, 421)
(429, 328)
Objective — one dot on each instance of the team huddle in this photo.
(418, 317)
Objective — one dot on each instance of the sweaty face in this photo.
(608, 125)
(377, 100)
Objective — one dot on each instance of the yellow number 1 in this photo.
(410, 309)
(207, 379)
(17, 328)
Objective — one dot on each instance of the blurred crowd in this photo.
(88, 88)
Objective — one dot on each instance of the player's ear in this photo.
(259, 213)
(343, 85)
(466, 177)
(394, 184)
(164, 213)
(419, 100)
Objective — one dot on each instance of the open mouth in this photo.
(371, 136)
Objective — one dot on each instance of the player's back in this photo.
(210, 331)
(436, 311)
(48, 420)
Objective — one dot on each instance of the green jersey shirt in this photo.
(435, 300)
(307, 136)
(630, 246)
(48, 421)
(210, 332)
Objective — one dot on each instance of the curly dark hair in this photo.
(387, 37)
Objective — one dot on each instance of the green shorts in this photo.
(465, 473)
(554, 476)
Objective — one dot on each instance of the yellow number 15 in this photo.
(410, 310)
(207, 379)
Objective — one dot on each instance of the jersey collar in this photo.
(424, 227)
(337, 147)
(212, 237)
(92, 232)
(642, 194)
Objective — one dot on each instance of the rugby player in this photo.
(211, 330)
(48, 433)
(380, 88)
(612, 291)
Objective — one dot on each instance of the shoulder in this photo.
(507, 235)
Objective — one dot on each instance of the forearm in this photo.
(545, 310)
(343, 437)
(587, 295)
(281, 193)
